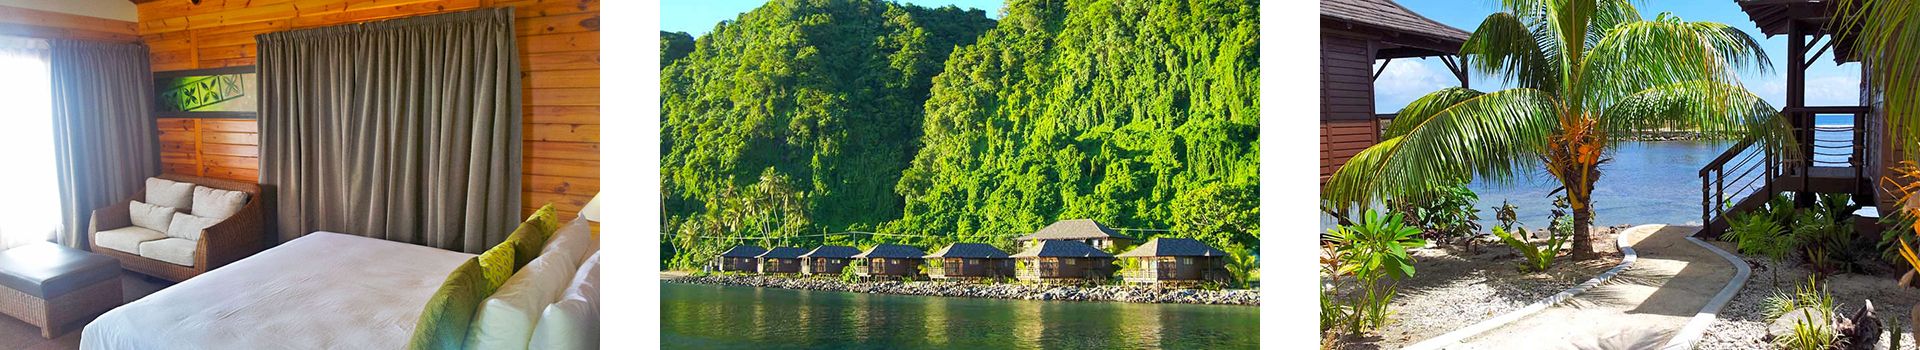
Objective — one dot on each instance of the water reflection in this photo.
(714, 317)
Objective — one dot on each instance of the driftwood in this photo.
(1860, 331)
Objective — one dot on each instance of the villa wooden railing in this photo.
(1746, 175)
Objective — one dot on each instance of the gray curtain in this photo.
(105, 143)
(406, 130)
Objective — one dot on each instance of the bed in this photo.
(322, 290)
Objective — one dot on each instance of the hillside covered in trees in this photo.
(806, 117)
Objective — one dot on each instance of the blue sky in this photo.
(697, 17)
(1406, 80)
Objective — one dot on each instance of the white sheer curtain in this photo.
(30, 203)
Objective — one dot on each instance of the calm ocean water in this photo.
(724, 317)
(1646, 183)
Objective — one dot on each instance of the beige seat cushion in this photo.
(126, 239)
(178, 251)
(216, 203)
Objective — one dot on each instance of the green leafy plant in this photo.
(1760, 234)
(1507, 215)
(1538, 258)
(1827, 236)
(1241, 266)
(1374, 252)
(1898, 224)
(849, 274)
(1446, 212)
(1814, 329)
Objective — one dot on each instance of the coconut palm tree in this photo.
(1584, 74)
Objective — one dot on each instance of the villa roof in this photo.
(831, 251)
(1386, 15)
(1073, 229)
(1173, 247)
(891, 251)
(1062, 249)
(969, 250)
(744, 251)
(1776, 17)
(784, 253)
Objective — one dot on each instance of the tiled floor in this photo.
(20, 335)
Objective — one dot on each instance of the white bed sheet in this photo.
(321, 291)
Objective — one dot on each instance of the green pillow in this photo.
(532, 235)
(496, 265)
(444, 322)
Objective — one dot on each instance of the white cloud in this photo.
(1406, 80)
(1833, 89)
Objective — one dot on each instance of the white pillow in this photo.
(168, 193)
(151, 217)
(505, 320)
(573, 322)
(571, 242)
(189, 226)
(217, 203)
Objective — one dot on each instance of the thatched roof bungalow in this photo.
(827, 259)
(969, 260)
(1063, 260)
(890, 260)
(1080, 230)
(781, 260)
(740, 258)
(1164, 260)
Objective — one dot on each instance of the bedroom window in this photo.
(32, 212)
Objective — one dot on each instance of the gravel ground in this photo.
(1452, 289)
(1741, 326)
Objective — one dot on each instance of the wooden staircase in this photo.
(1750, 173)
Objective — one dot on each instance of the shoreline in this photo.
(1015, 291)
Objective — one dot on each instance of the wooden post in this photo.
(1797, 98)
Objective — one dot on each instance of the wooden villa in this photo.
(740, 258)
(1852, 151)
(827, 259)
(969, 260)
(1086, 231)
(780, 260)
(889, 260)
(1354, 34)
(1175, 260)
(1063, 261)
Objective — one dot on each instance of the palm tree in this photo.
(1584, 74)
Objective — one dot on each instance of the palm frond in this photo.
(1886, 35)
(1492, 136)
(1505, 47)
(1638, 56)
(1704, 105)
(1424, 108)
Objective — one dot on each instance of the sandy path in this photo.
(1639, 309)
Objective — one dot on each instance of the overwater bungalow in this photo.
(969, 260)
(740, 258)
(889, 260)
(1062, 261)
(1175, 260)
(781, 260)
(827, 259)
(1079, 230)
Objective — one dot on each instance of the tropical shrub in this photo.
(1827, 235)
(1241, 264)
(1538, 258)
(1898, 225)
(1446, 212)
(1583, 74)
(1374, 252)
(1507, 215)
(1759, 234)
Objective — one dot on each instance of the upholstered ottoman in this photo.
(50, 285)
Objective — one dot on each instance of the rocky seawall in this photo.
(1023, 291)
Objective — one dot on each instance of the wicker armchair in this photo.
(239, 236)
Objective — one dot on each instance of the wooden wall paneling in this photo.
(560, 61)
(16, 21)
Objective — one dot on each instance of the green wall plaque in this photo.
(231, 92)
